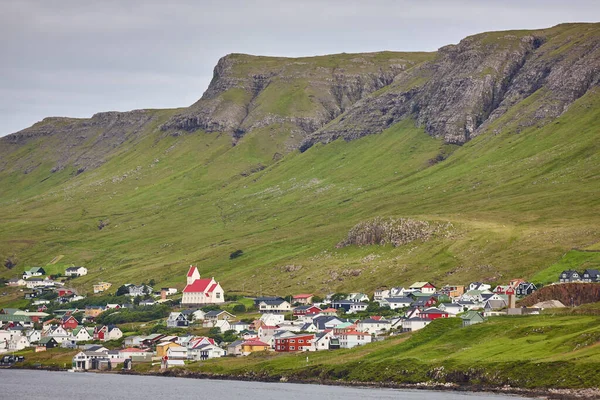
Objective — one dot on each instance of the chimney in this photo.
(512, 301)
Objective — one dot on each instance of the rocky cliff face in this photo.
(249, 92)
(470, 85)
(81, 143)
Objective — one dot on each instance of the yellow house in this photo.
(161, 348)
(101, 287)
(250, 346)
(93, 311)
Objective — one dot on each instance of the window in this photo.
(218, 295)
(292, 348)
(292, 341)
(300, 341)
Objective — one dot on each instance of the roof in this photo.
(198, 286)
(133, 350)
(273, 302)
(303, 296)
(254, 343)
(471, 315)
(399, 300)
(373, 321)
(191, 271)
(420, 284)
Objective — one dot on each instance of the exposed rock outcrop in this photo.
(472, 84)
(249, 92)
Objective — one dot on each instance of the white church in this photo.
(201, 291)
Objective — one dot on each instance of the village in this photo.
(302, 322)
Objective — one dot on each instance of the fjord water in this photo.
(18, 384)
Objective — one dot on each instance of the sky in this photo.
(75, 58)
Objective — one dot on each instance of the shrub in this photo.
(236, 254)
(239, 308)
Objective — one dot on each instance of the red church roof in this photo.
(198, 286)
(191, 271)
(212, 288)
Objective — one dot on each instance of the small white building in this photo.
(414, 324)
(76, 271)
(205, 352)
(352, 339)
(374, 326)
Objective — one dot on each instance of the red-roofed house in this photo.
(201, 291)
(303, 298)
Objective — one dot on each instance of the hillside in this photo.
(518, 186)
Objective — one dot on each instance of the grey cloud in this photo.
(76, 58)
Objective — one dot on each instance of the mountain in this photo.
(477, 162)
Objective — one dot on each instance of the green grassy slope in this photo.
(518, 200)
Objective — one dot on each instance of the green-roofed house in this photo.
(35, 271)
(12, 320)
(48, 342)
(8, 311)
(471, 318)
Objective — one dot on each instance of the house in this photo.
(76, 271)
(326, 322)
(423, 287)
(395, 303)
(93, 311)
(85, 360)
(271, 319)
(451, 308)
(235, 348)
(16, 282)
(350, 307)
(205, 352)
(329, 312)
(495, 305)
(35, 271)
(83, 334)
(302, 342)
(47, 342)
(138, 355)
(215, 317)
(471, 318)
(433, 313)
(33, 335)
(201, 291)
(501, 289)
(197, 315)
(373, 326)
(108, 332)
(325, 341)
(240, 326)
(69, 322)
(102, 287)
(163, 347)
(252, 346)
(424, 301)
(138, 290)
(452, 290)
(266, 333)
(569, 276)
(591, 275)
(479, 286)
(258, 300)
(381, 294)
(112, 306)
(526, 288)
(352, 339)
(278, 306)
(358, 297)
(304, 310)
(303, 298)
(177, 320)
(177, 352)
(414, 324)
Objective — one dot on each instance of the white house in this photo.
(322, 340)
(205, 352)
(33, 336)
(76, 271)
(451, 308)
(272, 319)
(414, 324)
(357, 297)
(381, 294)
(201, 291)
(373, 326)
(198, 315)
(16, 282)
(479, 286)
(274, 306)
(396, 303)
(177, 320)
(352, 339)
(83, 334)
(83, 360)
(423, 287)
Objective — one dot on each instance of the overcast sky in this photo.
(76, 58)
